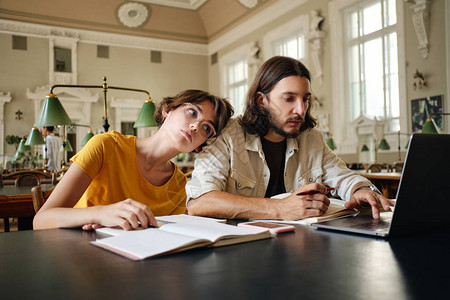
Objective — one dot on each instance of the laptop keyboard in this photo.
(374, 225)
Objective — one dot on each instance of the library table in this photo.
(387, 181)
(16, 201)
(306, 264)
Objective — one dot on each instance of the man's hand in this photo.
(376, 201)
(312, 202)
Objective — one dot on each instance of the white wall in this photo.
(434, 67)
(126, 67)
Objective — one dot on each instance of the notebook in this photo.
(423, 201)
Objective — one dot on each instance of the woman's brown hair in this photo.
(222, 107)
(255, 119)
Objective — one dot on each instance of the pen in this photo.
(310, 192)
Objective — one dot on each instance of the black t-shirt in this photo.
(275, 154)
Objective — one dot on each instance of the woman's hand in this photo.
(127, 214)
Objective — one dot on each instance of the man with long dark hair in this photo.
(273, 149)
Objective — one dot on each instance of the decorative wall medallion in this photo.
(133, 14)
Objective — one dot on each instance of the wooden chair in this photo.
(10, 178)
(39, 197)
(188, 174)
(57, 176)
(374, 168)
(30, 180)
(27, 180)
(21, 178)
(398, 167)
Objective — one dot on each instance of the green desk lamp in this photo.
(384, 145)
(146, 116)
(34, 138)
(364, 148)
(430, 127)
(87, 137)
(22, 147)
(52, 113)
(330, 143)
(66, 146)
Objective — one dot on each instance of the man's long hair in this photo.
(255, 119)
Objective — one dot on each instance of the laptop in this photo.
(423, 201)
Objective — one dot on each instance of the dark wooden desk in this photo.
(387, 181)
(17, 202)
(307, 264)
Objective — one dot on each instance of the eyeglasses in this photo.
(192, 114)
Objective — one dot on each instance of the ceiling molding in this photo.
(264, 17)
(186, 4)
(93, 25)
(249, 3)
(101, 38)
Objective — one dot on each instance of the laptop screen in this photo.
(423, 201)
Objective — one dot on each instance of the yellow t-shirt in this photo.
(110, 160)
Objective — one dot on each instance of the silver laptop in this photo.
(423, 201)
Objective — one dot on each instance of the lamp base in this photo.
(106, 125)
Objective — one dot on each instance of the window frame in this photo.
(231, 58)
(284, 32)
(359, 41)
(343, 130)
(297, 36)
(237, 84)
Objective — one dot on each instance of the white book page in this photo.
(146, 243)
(114, 231)
(162, 220)
(211, 230)
(187, 219)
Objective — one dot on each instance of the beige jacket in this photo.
(235, 163)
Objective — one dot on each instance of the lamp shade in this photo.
(146, 117)
(66, 146)
(34, 138)
(17, 156)
(384, 145)
(22, 147)
(330, 143)
(364, 148)
(87, 137)
(52, 113)
(429, 126)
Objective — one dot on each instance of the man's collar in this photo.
(253, 143)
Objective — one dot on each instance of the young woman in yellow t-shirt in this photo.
(118, 180)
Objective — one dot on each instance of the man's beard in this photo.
(277, 125)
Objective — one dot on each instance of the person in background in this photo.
(118, 180)
(52, 153)
(274, 149)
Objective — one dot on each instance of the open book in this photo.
(177, 237)
(335, 210)
(162, 220)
